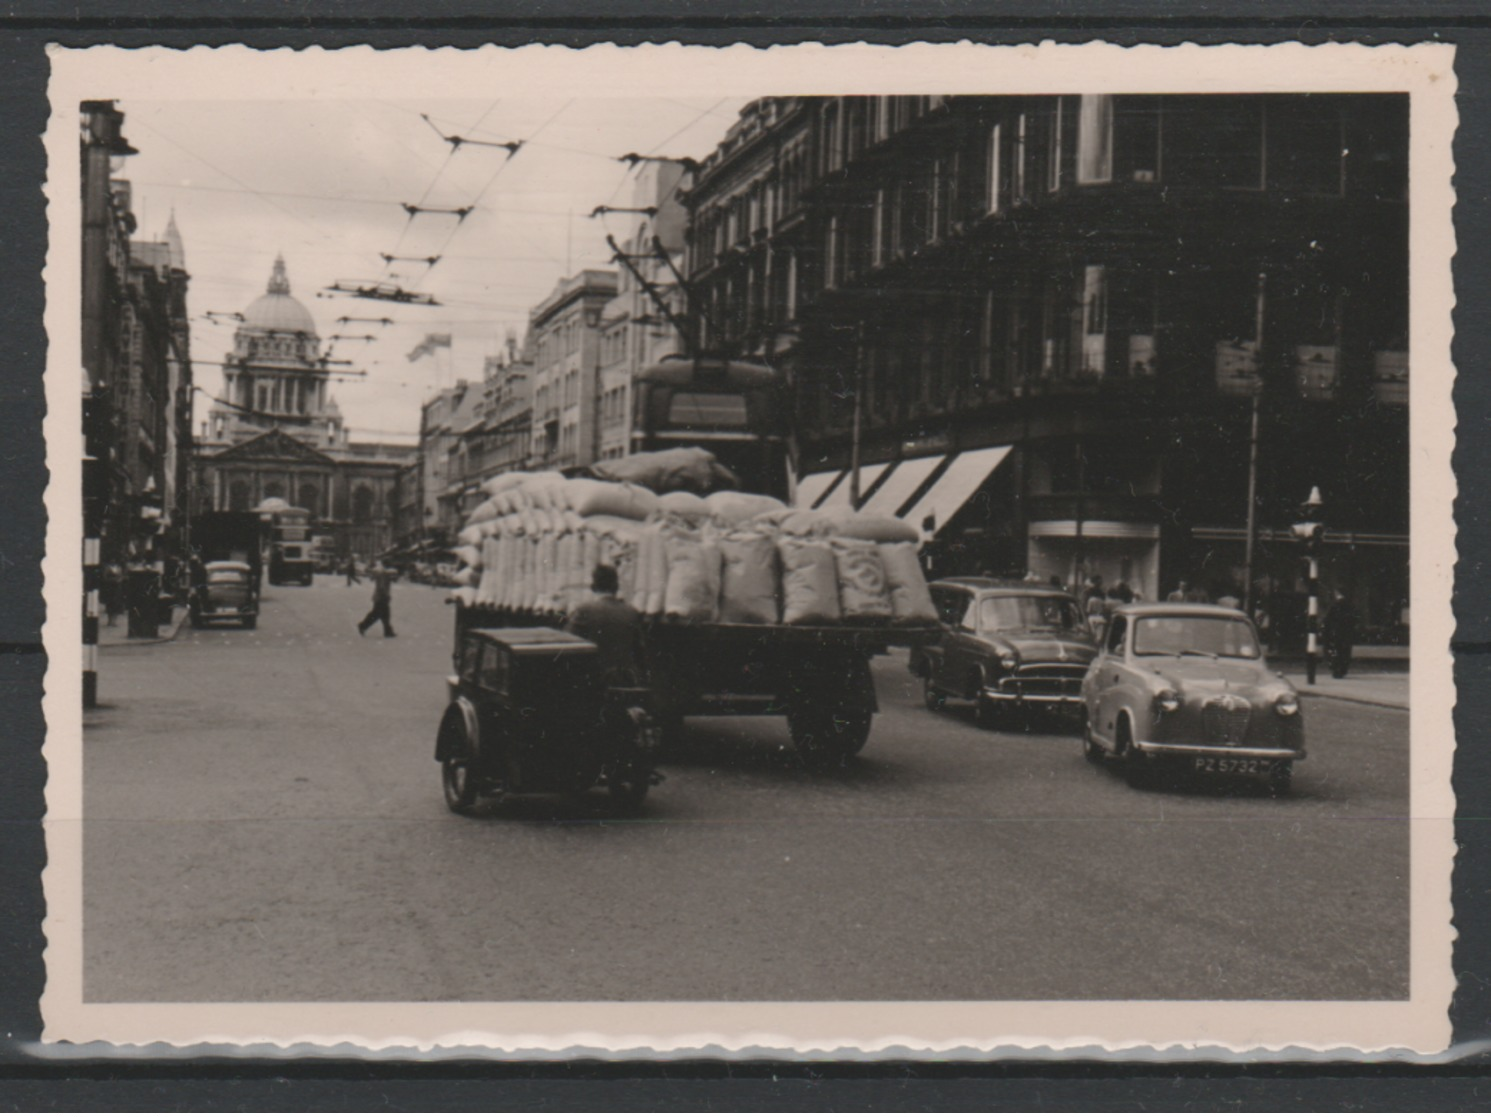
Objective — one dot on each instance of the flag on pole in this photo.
(429, 345)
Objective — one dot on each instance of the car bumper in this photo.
(1167, 748)
(1044, 699)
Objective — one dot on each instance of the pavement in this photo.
(264, 822)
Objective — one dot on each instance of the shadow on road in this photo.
(711, 746)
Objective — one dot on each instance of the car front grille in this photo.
(1226, 719)
(1047, 679)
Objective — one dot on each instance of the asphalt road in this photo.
(264, 822)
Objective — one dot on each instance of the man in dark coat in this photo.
(611, 625)
(382, 598)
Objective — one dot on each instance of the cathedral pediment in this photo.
(274, 446)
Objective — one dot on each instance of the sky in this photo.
(323, 182)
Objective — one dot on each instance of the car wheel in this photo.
(1091, 750)
(1137, 768)
(458, 781)
(1280, 777)
(932, 698)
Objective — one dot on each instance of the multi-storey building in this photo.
(440, 418)
(637, 331)
(278, 432)
(503, 440)
(1053, 312)
(564, 335)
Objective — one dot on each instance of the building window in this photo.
(1306, 154)
(1095, 138)
(1054, 149)
(309, 499)
(992, 197)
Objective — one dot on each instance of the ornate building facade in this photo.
(277, 431)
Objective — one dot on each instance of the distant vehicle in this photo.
(1188, 683)
(226, 592)
(230, 537)
(324, 554)
(736, 410)
(528, 712)
(1006, 646)
(290, 546)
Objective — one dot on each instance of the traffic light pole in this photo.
(1312, 639)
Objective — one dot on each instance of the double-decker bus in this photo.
(290, 557)
(737, 410)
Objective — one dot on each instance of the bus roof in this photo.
(704, 372)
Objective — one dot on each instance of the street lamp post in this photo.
(1311, 531)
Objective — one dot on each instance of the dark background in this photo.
(157, 1079)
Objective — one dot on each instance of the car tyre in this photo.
(458, 782)
(1091, 750)
(1138, 769)
(1280, 778)
(932, 698)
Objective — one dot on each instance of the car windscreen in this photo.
(1227, 637)
(1037, 611)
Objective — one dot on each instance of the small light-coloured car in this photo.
(1189, 684)
(226, 592)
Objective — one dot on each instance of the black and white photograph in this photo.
(675, 549)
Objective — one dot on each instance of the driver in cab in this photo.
(613, 626)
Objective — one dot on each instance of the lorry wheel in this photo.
(250, 622)
(628, 785)
(828, 738)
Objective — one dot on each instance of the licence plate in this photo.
(1234, 765)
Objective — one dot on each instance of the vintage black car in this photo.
(1007, 646)
(1189, 684)
(528, 712)
(224, 591)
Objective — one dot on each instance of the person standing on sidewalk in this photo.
(352, 578)
(1339, 634)
(382, 598)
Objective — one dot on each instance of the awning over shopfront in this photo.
(811, 488)
(964, 476)
(901, 485)
(838, 499)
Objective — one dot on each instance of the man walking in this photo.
(382, 596)
(352, 578)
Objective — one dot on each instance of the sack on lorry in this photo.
(486, 510)
(610, 498)
(693, 583)
(874, 529)
(802, 521)
(689, 505)
(465, 595)
(503, 482)
(863, 595)
(910, 600)
(466, 577)
(748, 578)
(689, 469)
(470, 536)
(737, 508)
(810, 588)
(469, 554)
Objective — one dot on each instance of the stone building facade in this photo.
(564, 338)
(278, 432)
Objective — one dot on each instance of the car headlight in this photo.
(1286, 705)
(1009, 661)
(1167, 701)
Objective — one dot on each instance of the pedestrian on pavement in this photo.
(1230, 600)
(1180, 592)
(382, 598)
(611, 625)
(1122, 594)
(1098, 608)
(113, 594)
(352, 578)
(1339, 634)
(1093, 588)
(1197, 595)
